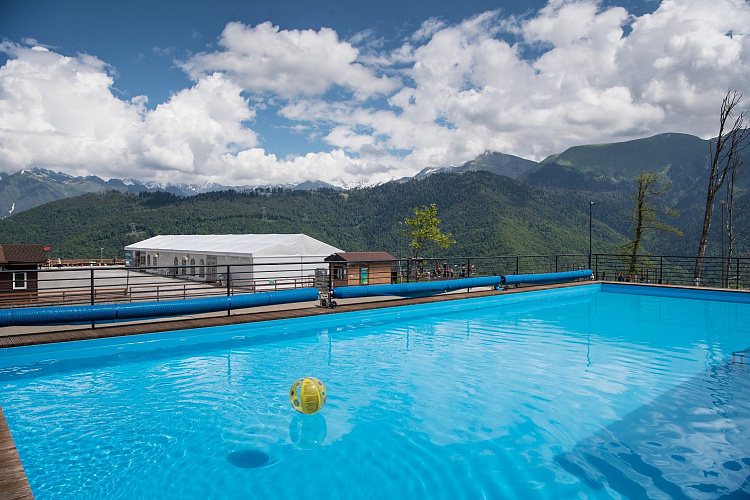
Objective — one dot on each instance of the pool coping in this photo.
(13, 482)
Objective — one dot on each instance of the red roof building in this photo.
(18, 269)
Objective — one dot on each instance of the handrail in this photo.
(108, 284)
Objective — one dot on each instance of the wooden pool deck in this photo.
(13, 482)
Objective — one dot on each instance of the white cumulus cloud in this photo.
(288, 62)
(60, 112)
(574, 72)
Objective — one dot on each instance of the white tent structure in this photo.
(250, 260)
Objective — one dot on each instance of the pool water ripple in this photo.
(580, 394)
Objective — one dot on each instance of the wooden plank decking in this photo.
(13, 482)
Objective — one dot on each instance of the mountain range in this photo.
(496, 204)
(678, 156)
(31, 188)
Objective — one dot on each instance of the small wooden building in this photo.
(18, 268)
(361, 268)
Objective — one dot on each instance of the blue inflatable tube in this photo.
(434, 287)
(273, 298)
(413, 289)
(546, 278)
(29, 316)
(142, 310)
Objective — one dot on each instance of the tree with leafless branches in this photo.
(735, 171)
(725, 151)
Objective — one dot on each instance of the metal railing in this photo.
(716, 272)
(116, 284)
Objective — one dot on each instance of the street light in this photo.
(591, 206)
(722, 203)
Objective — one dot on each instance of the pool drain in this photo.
(248, 459)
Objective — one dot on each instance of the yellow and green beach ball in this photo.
(307, 395)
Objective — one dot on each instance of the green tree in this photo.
(645, 216)
(423, 229)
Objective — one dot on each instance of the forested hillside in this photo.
(487, 214)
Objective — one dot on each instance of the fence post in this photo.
(229, 292)
(93, 298)
(596, 266)
(738, 273)
(517, 264)
(555, 263)
(660, 279)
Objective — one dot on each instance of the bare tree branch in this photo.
(729, 144)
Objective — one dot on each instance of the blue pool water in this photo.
(574, 393)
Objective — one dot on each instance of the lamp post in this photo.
(591, 206)
(400, 251)
(400, 240)
(722, 203)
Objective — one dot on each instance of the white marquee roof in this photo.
(251, 245)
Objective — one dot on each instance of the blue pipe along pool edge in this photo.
(30, 316)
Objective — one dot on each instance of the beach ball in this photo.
(307, 395)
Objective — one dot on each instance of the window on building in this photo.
(201, 271)
(148, 260)
(19, 281)
(339, 272)
(192, 268)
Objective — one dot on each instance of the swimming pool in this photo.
(582, 392)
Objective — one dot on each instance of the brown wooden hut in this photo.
(361, 268)
(18, 269)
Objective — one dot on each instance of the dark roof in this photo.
(22, 254)
(359, 257)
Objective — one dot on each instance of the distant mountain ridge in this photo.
(680, 158)
(668, 154)
(30, 188)
(489, 161)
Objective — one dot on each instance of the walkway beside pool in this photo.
(13, 483)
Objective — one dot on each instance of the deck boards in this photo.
(13, 483)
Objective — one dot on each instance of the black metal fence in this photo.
(716, 272)
(110, 284)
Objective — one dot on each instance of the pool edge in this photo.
(13, 482)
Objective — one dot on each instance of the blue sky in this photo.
(251, 93)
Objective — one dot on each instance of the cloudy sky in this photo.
(244, 92)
